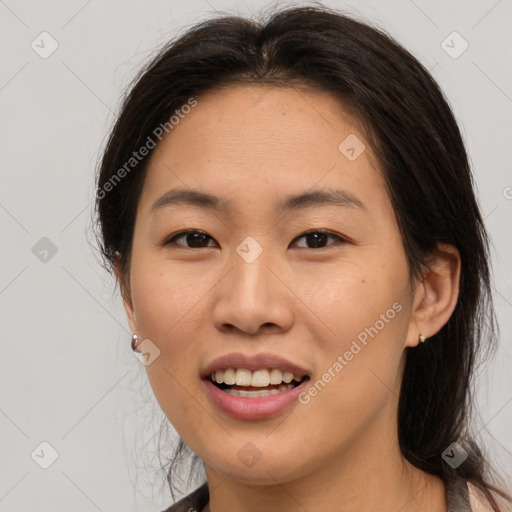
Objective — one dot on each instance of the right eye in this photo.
(192, 236)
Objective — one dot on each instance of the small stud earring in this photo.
(135, 338)
(422, 338)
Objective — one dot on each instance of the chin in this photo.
(250, 467)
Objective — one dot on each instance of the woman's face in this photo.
(336, 305)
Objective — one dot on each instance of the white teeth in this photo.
(287, 377)
(259, 378)
(229, 376)
(243, 377)
(255, 394)
(276, 377)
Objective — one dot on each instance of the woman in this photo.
(289, 212)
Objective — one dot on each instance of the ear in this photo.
(126, 294)
(435, 296)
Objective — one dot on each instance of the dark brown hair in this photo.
(412, 131)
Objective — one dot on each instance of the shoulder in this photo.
(477, 500)
(193, 502)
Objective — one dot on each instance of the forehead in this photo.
(243, 140)
(263, 120)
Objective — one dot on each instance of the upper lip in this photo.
(253, 363)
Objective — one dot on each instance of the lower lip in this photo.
(257, 408)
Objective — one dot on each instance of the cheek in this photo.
(165, 298)
(358, 379)
(167, 313)
(365, 307)
(358, 297)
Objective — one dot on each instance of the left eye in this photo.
(197, 238)
(318, 237)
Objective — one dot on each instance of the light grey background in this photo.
(68, 376)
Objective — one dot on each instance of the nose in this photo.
(253, 298)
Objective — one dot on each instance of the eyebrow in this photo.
(308, 199)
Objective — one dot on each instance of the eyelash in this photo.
(172, 239)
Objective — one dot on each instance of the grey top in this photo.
(457, 498)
